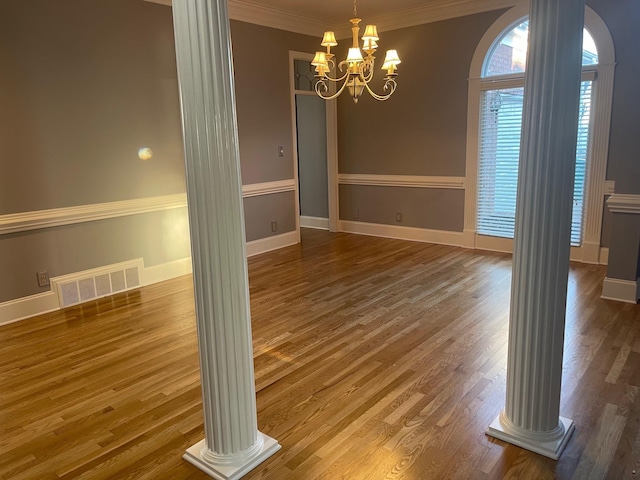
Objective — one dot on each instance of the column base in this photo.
(551, 448)
(231, 471)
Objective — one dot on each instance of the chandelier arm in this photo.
(336, 79)
(330, 97)
(367, 78)
(389, 84)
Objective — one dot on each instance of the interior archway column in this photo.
(232, 445)
(531, 418)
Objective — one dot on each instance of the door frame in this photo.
(331, 119)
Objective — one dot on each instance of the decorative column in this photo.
(531, 418)
(232, 445)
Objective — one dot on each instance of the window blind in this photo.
(500, 133)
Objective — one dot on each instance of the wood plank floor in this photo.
(374, 358)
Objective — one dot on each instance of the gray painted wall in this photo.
(312, 156)
(433, 208)
(83, 86)
(260, 211)
(624, 259)
(157, 237)
(624, 165)
(261, 63)
(421, 130)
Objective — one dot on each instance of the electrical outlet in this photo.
(43, 279)
(274, 226)
(281, 151)
(399, 217)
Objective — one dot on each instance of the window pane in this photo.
(510, 53)
(582, 153)
(304, 75)
(500, 129)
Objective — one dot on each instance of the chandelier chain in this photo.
(355, 9)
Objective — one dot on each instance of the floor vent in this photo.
(96, 283)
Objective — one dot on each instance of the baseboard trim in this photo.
(268, 244)
(26, 307)
(442, 237)
(620, 290)
(166, 271)
(314, 222)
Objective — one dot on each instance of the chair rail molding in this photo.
(402, 180)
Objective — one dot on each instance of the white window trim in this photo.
(589, 251)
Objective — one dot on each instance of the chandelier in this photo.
(358, 69)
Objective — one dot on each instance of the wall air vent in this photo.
(100, 282)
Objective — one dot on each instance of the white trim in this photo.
(624, 203)
(264, 245)
(549, 447)
(494, 244)
(604, 256)
(294, 129)
(440, 237)
(26, 307)
(166, 271)
(259, 14)
(432, 12)
(332, 164)
(231, 471)
(314, 222)
(620, 290)
(401, 180)
(268, 188)
(331, 118)
(609, 187)
(55, 217)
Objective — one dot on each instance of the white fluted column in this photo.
(531, 418)
(232, 445)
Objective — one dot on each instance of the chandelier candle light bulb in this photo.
(358, 69)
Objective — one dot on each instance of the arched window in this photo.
(495, 117)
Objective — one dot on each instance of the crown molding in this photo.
(436, 12)
(259, 14)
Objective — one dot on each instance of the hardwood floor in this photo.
(374, 358)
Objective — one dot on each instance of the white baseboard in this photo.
(620, 290)
(442, 237)
(26, 307)
(166, 271)
(314, 222)
(494, 244)
(604, 256)
(264, 245)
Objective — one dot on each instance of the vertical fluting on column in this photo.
(232, 443)
(543, 226)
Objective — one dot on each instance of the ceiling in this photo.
(336, 11)
(313, 17)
